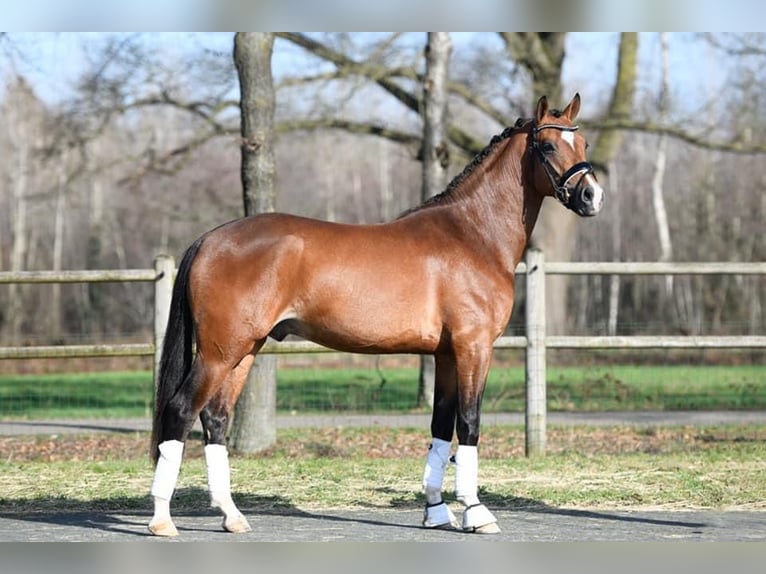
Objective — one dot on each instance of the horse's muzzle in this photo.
(587, 198)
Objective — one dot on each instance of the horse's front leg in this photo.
(437, 513)
(215, 422)
(472, 368)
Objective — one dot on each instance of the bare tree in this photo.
(254, 425)
(658, 198)
(149, 131)
(435, 158)
(55, 324)
(19, 118)
(658, 194)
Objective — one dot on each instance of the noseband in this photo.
(559, 183)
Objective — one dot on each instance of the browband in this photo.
(557, 127)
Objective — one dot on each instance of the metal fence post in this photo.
(535, 415)
(164, 267)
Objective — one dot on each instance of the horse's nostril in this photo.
(587, 195)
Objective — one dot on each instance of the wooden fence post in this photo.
(164, 267)
(535, 414)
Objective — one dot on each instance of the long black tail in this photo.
(176, 361)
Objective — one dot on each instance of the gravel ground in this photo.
(548, 525)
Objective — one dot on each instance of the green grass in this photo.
(712, 468)
(611, 387)
(73, 395)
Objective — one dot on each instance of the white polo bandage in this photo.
(436, 463)
(467, 474)
(168, 466)
(218, 471)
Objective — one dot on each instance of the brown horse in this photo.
(438, 280)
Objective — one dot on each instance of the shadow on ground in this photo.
(130, 515)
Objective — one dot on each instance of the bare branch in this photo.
(734, 146)
(172, 161)
(376, 73)
(201, 109)
(351, 127)
(737, 44)
(382, 76)
(478, 102)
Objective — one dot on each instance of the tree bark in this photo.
(253, 428)
(435, 154)
(56, 311)
(20, 140)
(543, 56)
(658, 192)
(555, 227)
(621, 105)
(614, 280)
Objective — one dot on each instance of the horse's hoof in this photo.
(491, 528)
(479, 519)
(439, 516)
(237, 525)
(164, 528)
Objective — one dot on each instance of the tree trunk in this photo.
(555, 227)
(435, 154)
(56, 312)
(543, 56)
(658, 193)
(254, 424)
(614, 280)
(94, 255)
(19, 246)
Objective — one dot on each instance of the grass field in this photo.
(619, 467)
(612, 387)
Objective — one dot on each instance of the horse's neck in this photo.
(498, 208)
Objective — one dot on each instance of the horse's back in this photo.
(395, 287)
(352, 287)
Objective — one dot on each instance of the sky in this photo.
(553, 15)
(53, 61)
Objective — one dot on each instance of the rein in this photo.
(559, 182)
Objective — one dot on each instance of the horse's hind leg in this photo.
(178, 419)
(215, 422)
(437, 514)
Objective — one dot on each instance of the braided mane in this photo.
(445, 195)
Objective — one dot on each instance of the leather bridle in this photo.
(560, 183)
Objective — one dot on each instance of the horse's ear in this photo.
(542, 108)
(573, 108)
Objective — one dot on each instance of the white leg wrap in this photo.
(476, 516)
(436, 463)
(218, 471)
(437, 513)
(219, 485)
(467, 474)
(168, 466)
(438, 516)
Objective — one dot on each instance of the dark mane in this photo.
(469, 169)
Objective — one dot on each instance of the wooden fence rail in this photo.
(535, 342)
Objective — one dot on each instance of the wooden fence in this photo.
(535, 342)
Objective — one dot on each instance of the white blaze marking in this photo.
(568, 137)
(598, 192)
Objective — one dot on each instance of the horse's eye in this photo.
(547, 147)
(587, 145)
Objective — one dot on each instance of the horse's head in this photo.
(560, 149)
